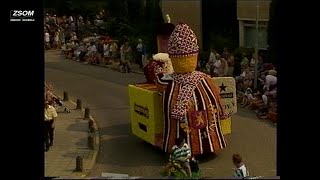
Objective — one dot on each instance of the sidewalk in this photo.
(70, 141)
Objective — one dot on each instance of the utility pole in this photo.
(257, 47)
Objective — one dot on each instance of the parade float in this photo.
(146, 109)
(147, 105)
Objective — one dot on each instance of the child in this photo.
(182, 153)
(241, 171)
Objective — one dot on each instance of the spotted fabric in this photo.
(183, 42)
(188, 83)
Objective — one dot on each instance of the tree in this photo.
(153, 21)
(272, 35)
(118, 8)
(136, 11)
(219, 19)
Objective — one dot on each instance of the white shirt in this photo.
(241, 172)
(265, 99)
(106, 47)
(92, 48)
(270, 81)
(217, 65)
(74, 37)
(139, 47)
(212, 57)
(46, 37)
(50, 113)
(56, 38)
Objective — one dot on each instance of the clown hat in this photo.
(183, 42)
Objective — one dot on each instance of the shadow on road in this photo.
(249, 114)
(130, 151)
(77, 128)
(116, 130)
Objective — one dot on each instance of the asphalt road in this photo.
(105, 92)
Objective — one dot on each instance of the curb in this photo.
(97, 144)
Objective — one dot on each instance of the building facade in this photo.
(187, 11)
(248, 12)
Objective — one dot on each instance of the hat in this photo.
(183, 42)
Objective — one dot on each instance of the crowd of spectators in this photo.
(261, 99)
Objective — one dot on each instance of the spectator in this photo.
(230, 59)
(114, 51)
(73, 36)
(216, 67)
(47, 40)
(56, 39)
(181, 152)
(100, 50)
(224, 67)
(212, 56)
(122, 57)
(260, 64)
(245, 79)
(144, 56)
(127, 64)
(241, 171)
(140, 52)
(79, 52)
(106, 51)
(271, 80)
(245, 62)
(92, 49)
(50, 115)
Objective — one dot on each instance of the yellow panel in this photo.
(146, 112)
(226, 126)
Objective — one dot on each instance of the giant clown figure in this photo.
(191, 101)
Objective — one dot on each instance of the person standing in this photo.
(47, 40)
(61, 37)
(128, 57)
(140, 52)
(212, 56)
(230, 59)
(56, 39)
(50, 115)
(114, 51)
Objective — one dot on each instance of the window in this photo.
(250, 37)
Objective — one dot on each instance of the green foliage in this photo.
(272, 33)
(203, 58)
(117, 8)
(219, 42)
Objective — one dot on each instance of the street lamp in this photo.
(257, 47)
